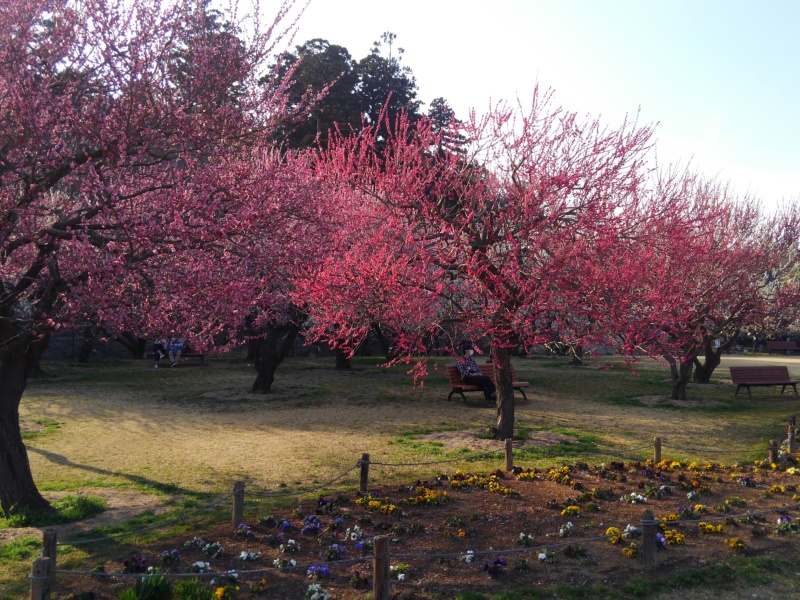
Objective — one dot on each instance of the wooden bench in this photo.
(782, 346)
(459, 387)
(745, 377)
(193, 354)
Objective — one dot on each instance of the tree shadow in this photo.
(164, 488)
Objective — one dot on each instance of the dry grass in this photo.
(197, 428)
(146, 439)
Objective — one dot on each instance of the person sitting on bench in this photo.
(471, 374)
(159, 350)
(175, 349)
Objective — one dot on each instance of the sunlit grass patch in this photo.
(67, 510)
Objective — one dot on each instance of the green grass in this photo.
(24, 548)
(48, 426)
(66, 510)
(560, 591)
(737, 573)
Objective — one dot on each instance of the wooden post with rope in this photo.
(364, 472)
(773, 451)
(649, 547)
(656, 450)
(49, 539)
(509, 454)
(40, 579)
(380, 568)
(238, 503)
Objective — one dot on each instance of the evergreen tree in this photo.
(444, 122)
(318, 64)
(385, 83)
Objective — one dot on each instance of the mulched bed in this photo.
(442, 519)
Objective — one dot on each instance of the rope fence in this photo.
(43, 571)
(42, 575)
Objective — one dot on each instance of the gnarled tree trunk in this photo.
(577, 354)
(712, 355)
(501, 358)
(87, 343)
(271, 349)
(17, 488)
(680, 374)
(136, 346)
(343, 362)
(385, 341)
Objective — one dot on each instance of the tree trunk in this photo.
(501, 358)
(136, 346)
(385, 341)
(270, 350)
(680, 374)
(342, 362)
(712, 359)
(35, 350)
(252, 348)
(17, 489)
(577, 354)
(87, 343)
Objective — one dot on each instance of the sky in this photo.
(718, 78)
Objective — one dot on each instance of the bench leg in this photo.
(460, 393)
(524, 397)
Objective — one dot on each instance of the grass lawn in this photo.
(186, 435)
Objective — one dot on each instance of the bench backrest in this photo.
(759, 374)
(486, 369)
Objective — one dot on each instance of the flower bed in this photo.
(576, 525)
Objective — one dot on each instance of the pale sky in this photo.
(719, 77)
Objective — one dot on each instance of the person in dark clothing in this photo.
(159, 350)
(471, 374)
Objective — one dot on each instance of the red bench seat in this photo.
(459, 387)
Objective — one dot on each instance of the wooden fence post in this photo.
(49, 539)
(39, 579)
(773, 451)
(238, 503)
(649, 548)
(364, 472)
(509, 454)
(380, 568)
(656, 450)
(790, 437)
